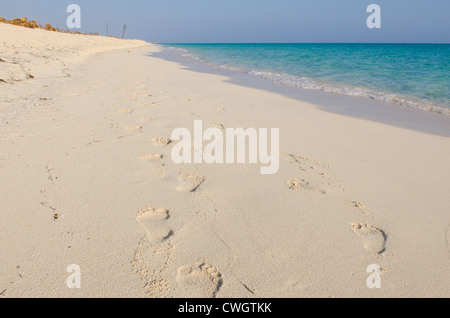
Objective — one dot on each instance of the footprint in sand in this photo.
(153, 262)
(161, 141)
(126, 111)
(152, 157)
(154, 221)
(147, 119)
(296, 184)
(143, 94)
(306, 164)
(358, 205)
(192, 114)
(154, 161)
(190, 182)
(186, 100)
(200, 280)
(299, 184)
(216, 125)
(147, 104)
(133, 128)
(374, 239)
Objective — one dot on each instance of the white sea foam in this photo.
(337, 88)
(308, 83)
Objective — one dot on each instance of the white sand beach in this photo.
(87, 179)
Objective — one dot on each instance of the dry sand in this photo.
(87, 179)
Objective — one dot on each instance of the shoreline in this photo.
(353, 106)
(91, 182)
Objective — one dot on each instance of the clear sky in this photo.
(223, 21)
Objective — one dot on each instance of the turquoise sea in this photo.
(415, 75)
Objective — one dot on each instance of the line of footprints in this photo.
(199, 280)
(202, 279)
(153, 256)
(373, 238)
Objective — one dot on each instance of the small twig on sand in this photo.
(3, 292)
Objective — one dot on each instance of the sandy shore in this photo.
(88, 180)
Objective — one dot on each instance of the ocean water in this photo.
(414, 75)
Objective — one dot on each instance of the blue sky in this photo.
(204, 21)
